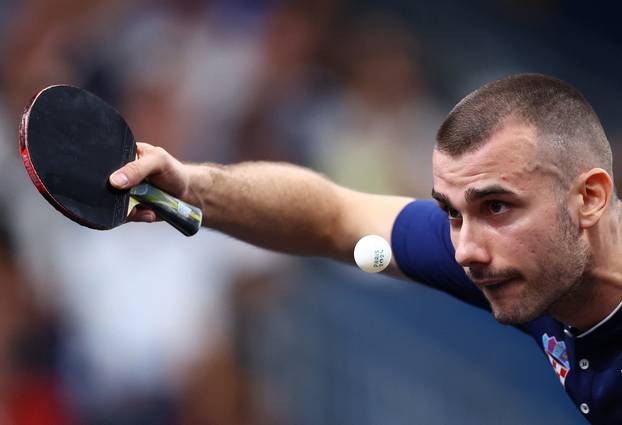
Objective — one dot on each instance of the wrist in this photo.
(200, 180)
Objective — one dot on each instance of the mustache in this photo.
(480, 273)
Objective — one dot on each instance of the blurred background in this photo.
(140, 325)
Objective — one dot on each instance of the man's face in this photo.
(509, 223)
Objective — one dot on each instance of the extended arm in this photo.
(278, 206)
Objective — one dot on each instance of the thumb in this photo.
(149, 161)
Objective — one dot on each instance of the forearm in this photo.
(274, 205)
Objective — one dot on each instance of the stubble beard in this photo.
(564, 273)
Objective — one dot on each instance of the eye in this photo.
(497, 207)
(453, 214)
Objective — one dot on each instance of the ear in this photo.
(594, 190)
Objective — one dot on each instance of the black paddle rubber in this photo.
(70, 142)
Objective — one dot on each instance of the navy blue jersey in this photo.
(588, 364)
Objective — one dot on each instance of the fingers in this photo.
(150, 160)
(142, 214)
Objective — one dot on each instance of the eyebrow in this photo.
(441, 198)
(472, 195)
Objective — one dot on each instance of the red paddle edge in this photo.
(32, 173)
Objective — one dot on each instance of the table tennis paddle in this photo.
(70, 142)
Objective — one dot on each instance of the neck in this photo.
(599, 291)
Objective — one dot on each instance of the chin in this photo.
(514, 315)
(508, 319)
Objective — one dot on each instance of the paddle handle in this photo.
(184, 217)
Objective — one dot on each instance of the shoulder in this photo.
(421, 234)
(423, 251)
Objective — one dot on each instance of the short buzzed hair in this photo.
(567, 127)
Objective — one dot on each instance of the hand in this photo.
(158, 167)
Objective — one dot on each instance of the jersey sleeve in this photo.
(423, 251)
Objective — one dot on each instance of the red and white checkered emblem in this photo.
(558, 356)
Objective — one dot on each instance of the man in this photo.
(529, 226)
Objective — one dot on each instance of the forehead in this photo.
(509, 158)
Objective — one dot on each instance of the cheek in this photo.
(526, 242)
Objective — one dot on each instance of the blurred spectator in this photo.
(136, 312)
(49, 43)
(377, 131)
(187, 88)
(31, 391)
(290, 75)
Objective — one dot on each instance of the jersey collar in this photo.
(612, 324)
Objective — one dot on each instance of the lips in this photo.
(495, 290)
(491, 283)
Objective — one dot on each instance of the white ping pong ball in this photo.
(372, 254)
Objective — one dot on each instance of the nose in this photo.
(470, 245)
